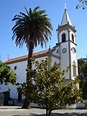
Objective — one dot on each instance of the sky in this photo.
(55, 10)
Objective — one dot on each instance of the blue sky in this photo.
(55, 10)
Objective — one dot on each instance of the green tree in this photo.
(6, 74)
(82, 4)
(82, 71)
(32, 28)
(50, 89)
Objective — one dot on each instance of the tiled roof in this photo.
(23, 58)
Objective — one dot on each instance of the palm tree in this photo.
(32, 28)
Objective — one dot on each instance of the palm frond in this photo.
(34, 25)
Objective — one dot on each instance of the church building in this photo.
(64, 52)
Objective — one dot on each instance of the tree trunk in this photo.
(48, 112)
(27, 99)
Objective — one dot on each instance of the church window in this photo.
(72, 37)
(57, 51)
(73, 50)
(63, 37)
(74, 68)
(15, 67)
(55, 63)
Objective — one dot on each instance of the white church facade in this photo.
(64, 52)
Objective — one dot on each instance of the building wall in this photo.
(56, 51)
(54, 60)
(73, 60)
(21, 76)
(39, 59)
(67, 42)
(64, 58)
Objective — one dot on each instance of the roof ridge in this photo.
(24, 57)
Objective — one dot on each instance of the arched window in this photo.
(63, 37)
(57, 51)
(72, 38)
(74, 68)
(55, 63)
(15, 67)
(73, 50)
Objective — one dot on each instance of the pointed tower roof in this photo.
(65, 19)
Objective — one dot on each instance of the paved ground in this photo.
(17, 111)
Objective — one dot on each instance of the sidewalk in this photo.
(18, 111)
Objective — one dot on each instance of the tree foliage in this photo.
(82, 4)
(82, 71)
(6, 74)
(32, 28)
(49, 88)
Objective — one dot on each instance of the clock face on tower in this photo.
(64, 50)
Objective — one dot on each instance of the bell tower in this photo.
(67, 46)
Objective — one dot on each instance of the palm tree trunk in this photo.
(27, 99)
